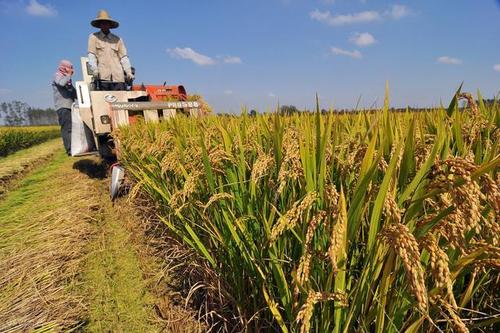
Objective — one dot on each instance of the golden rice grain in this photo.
(217, 197)
(262, 167)
(290, 219)
(399, 238)
(291, 165)
(306, 311)
(336, 250)
(439, 266)
(303, 271)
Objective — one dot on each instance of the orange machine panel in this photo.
(163, 93)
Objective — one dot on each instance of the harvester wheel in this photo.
(106, 148)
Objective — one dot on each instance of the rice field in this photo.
(13, 139)
(369, 222)
(15, 166)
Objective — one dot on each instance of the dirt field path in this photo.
(71, 260)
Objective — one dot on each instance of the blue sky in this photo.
(256, 53)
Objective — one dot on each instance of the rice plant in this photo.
(13, 139)
(379, 222)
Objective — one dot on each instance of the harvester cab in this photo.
(103, 111)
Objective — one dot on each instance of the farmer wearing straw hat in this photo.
(108, 58)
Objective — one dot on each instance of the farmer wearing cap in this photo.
(108, 58)
(64, 95)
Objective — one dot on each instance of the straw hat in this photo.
(104, 16)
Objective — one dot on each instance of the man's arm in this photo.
(62, 80)
(124, 60)
(92, 51)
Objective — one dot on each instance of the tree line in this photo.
(287, 110)
(18, 113)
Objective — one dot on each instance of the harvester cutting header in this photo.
(104, 110)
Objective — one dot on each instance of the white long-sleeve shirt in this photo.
(108, 56)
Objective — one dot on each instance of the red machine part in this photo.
(159, 93)
(163, 93)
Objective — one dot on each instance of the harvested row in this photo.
(13, 139)
(44, 231)
(125, 282)
(70, 260)
(333, 223)
(14, 166)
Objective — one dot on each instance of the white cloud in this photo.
(449, 60)
(201, 59)
(362, 39)
(228, 92)
(496, 68)
(190, 54)
(353, 54)
(395, 12)
(272, 95)
(4, 91)
(37, 9)
(398, 11)
(232, 60)
(338, 20)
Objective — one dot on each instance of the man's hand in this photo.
(95, 73)
(130, 76)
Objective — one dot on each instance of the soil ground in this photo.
(70, 259)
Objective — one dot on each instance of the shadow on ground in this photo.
(96, 169)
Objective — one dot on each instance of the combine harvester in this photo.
(103, 111)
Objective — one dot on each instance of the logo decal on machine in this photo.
(110, 98)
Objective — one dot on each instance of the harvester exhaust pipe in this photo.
(117, 177)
